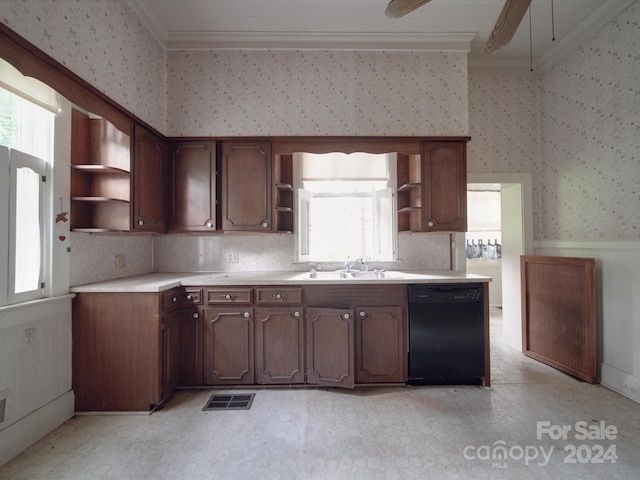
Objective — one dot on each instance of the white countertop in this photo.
(158, 282)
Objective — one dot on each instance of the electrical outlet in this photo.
(232, 257)
(121, 260)
(29, 336)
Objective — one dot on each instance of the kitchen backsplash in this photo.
(93, 257)
(260, 252)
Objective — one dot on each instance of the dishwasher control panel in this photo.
(458, 293)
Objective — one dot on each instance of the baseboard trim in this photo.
(621, 382)
(28, 430)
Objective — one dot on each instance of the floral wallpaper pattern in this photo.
(286, 92)
(103, 42)
(590, 138)
(503, 123)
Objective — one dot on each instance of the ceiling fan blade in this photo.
(399, 8)
(507, 24)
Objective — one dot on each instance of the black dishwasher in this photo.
(446, 334)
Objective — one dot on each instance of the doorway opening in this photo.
(515, 239)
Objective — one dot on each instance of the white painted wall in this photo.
(35, 379)
(617, 307)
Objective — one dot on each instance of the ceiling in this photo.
(361, 25)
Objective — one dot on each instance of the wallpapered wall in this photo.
(316, 93)
(103, 42)
(503, 123)
(590, 138)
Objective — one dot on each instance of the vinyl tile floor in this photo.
(534, 422)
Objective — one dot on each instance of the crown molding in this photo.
(593, 24)
(459, 42)
(150, 20)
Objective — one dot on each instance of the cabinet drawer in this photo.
(228, 295)
(278, 295)
(171, 299)
(192, 296)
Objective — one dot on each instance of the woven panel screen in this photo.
(558, 313)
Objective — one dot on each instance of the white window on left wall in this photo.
(26, 157)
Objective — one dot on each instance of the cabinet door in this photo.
(229, 350)
(246, 186)
(171, 353)
(193, 191)
(149, 182)
(445, 186)
(190, 347)
(330, 347)
(280, 345)
(380, 345)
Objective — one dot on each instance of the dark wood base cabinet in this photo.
(380, 345)
(132, 350)
(330, 346)
(228, 346)
(126, 349)
(191, 344)
(280, 345)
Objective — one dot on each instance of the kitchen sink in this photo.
(354, 275)
(374, 274)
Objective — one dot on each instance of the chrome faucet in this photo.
(348, 265)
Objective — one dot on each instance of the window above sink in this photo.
(345, 206)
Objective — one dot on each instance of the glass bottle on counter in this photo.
(498, 249)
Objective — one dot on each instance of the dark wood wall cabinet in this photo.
(100, 175)
(240, 185)
(149, 181)
(432, 188)
(116, 185)
(246, 186)
(193, 186)
(257, 185)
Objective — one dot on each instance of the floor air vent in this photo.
(229, 402)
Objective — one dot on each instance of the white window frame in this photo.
(18, 159)
(384, 215)
(11, 159)
(4, 220)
